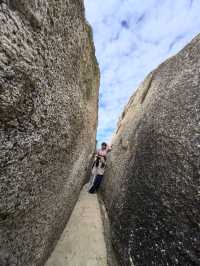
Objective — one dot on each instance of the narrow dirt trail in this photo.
(82, 242)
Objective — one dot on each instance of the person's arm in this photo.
(109, 148)
(95, 157)
(97, 152)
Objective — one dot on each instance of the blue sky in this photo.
(132, 37)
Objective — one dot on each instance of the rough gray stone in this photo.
(49, 81)
(151, 186)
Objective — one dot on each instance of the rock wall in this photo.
(49, 81)
(151, 187)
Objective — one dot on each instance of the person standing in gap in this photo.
(99, 166)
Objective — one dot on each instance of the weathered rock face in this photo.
(151, 187)
(49, 82)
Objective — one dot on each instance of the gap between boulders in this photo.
(85, 239)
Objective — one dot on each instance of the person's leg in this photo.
(92, 190)
(98, 181)
(93, 186)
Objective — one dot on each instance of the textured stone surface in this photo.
(151, 187)
(49, 82)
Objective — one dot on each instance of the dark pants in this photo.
(96, 183)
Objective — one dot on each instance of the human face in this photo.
(103, 147)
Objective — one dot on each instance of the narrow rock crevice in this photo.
(49, 82)
(82, 242)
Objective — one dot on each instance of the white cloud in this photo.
(132, 37)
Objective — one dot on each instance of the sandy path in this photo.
(82, 242)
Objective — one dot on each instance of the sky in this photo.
(132, 37)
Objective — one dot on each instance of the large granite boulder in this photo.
(49, 81)
(151, 187)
